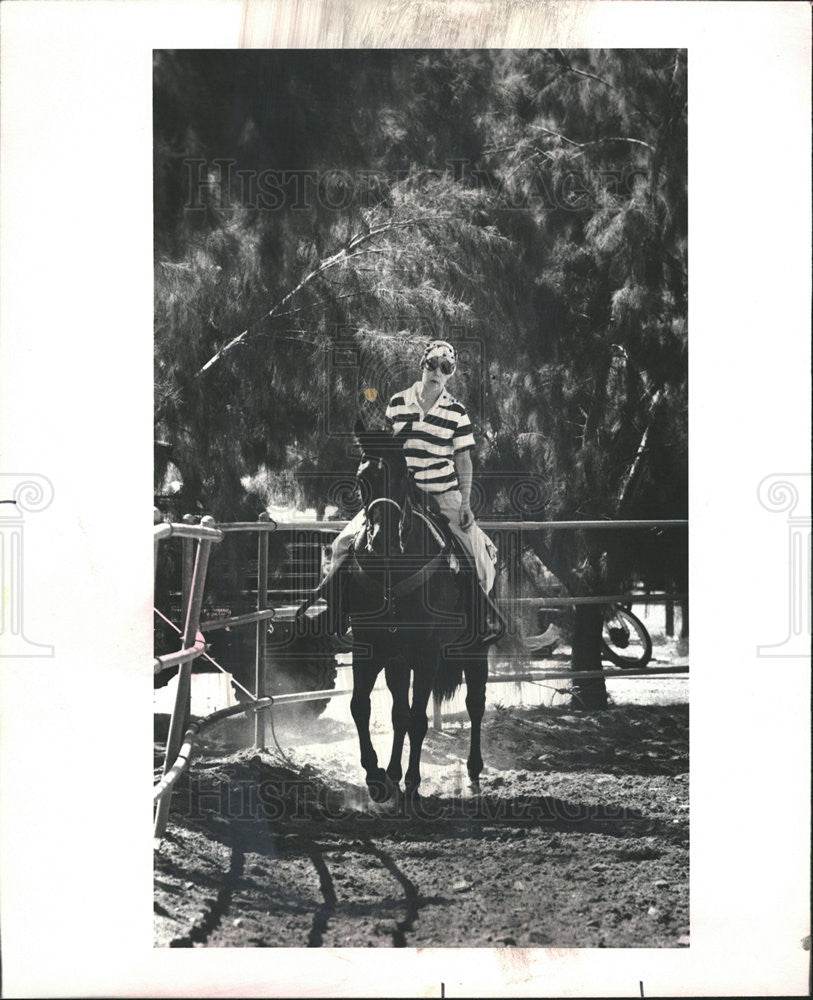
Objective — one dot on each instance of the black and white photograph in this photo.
(421, 414)
(462, 353)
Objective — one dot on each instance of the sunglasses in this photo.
(434, 363)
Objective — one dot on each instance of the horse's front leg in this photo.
(364, 675)
(476, 673)
(418, 724)
(398, 682)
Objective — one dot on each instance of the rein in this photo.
(372, 503)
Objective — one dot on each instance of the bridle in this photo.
(416, 513)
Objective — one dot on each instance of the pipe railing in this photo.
(185, 752)
(266, 524)
(629, 598)
(213, 624)
(486, 525)
(192, 643)
(167, 660)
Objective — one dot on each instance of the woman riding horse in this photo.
(409, 617)
(437, 439)
(392, 577)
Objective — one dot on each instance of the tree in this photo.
(531, 204)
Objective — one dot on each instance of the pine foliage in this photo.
(530, 205)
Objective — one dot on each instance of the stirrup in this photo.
(491, 617)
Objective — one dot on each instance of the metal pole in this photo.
(334, 527)
(187, 569)
(261, 631)
(157, 518)
(187, 562)
(180, 712)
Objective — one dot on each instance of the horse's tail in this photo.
(448, 678)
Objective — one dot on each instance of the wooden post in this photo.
(684, 619)
(670, 604)
(180, 712)
(261, 634)
(586, 657)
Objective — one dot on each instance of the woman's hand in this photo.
(466, 516)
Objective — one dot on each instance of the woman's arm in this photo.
(463, 468)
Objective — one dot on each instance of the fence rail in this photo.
(168, 660)
(486, 525)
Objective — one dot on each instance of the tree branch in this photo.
(345, 254)
(593, 142)
(566, 64)
(620, 138)
(622, 493)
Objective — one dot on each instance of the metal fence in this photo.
(194, 566)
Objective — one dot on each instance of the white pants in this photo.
(474, 540)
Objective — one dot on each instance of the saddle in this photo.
(459, 558)
(490, 622)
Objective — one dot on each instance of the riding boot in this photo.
(490, 622)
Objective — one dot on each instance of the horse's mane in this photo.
(380, 443)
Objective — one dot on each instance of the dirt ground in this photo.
(579, 838)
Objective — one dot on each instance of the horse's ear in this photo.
(405, 522)
(361, 434)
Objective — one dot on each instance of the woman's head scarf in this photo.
(439, 349)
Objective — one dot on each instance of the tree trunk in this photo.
(590, 693)
(684, 619)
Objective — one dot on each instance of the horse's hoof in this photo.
(413, 802)
(474, 786)
(380, 788)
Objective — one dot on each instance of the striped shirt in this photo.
(435, 437)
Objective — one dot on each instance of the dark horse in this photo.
(410, 615)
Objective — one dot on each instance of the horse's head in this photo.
(385, 486)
